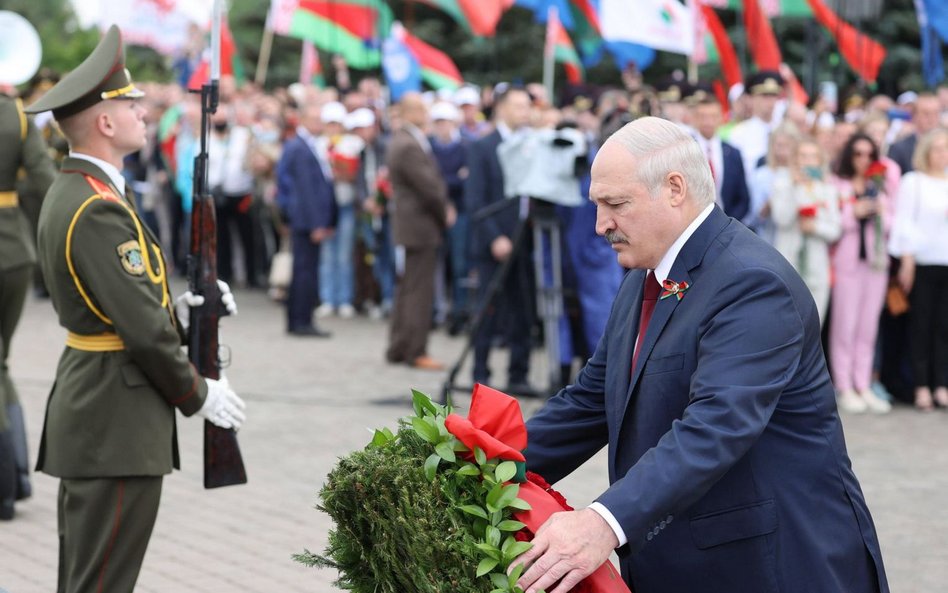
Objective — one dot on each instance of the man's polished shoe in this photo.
(426, 363)
(309, 331)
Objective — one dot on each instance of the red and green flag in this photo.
(437, 69)
(561, 46)
(586, 29)
(480, 17)
(863, 53)
(311, 69)
(353, 29)
(723, 48)
(760, 37)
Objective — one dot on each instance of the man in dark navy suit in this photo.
(492, 244)
(305, 194)
(724, 160)
(728, 469)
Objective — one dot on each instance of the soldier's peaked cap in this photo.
(100, 77)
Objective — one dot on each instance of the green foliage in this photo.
(411, 514)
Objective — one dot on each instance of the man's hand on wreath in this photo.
(567, 548)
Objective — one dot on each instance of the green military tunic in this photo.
(22, 151)
(21, 148)
(123, 373)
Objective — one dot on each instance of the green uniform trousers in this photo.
(104, 528)
(14, 286)
(14, 467)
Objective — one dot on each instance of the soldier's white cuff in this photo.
(611, 520)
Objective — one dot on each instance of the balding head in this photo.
(413, 109)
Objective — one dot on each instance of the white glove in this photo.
(227, 297)
(222, 407)
(184, 303)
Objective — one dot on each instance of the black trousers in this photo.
(304, 287)
(929, 301)
(235, 212)
(510, 315)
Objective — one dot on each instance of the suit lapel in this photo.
(688, 259)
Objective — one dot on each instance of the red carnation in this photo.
(876, 170)
(807, 211)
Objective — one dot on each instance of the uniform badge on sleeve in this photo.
(130, 253)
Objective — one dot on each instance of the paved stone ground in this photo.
(311, 401)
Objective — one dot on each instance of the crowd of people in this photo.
(852, 195)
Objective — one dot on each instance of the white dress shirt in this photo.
(714, 153)
(661, 274)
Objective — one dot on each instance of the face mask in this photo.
(220, 126)
(268, 136)
(813, 172)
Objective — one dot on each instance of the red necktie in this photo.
(649, 299)
(714, 175)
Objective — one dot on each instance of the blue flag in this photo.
(938, 17)
(933, 67)
(402, 70)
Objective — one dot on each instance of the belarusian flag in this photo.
(480, 17)
(311, 69)
(437, 69)
(352, 28)
(586, 30)
(760, 36)
(723, 48)
(559, 44)
(863, 54)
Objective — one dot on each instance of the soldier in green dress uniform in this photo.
(22, 152)
(109, 433)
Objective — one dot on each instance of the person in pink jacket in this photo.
(860, 263)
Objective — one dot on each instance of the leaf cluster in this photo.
(418, 511)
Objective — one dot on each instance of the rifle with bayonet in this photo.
(223, 463)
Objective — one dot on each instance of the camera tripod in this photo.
(539, 220)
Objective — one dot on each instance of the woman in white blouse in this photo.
(920, 239)
(805, 209)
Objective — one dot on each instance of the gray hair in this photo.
(660, 147)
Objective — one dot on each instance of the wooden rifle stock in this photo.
(223, 463)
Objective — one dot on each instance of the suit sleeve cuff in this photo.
(611, 520)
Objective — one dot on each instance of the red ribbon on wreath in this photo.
(495, 424)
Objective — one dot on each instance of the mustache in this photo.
(614, 237)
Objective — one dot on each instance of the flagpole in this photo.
(266, 45)
(549, 55)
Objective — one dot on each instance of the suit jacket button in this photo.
(662, 525)
(668, 519)
(649, 536)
